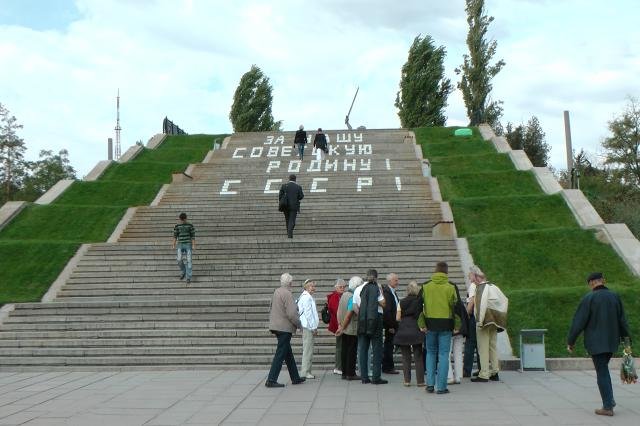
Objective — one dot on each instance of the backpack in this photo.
(326, 317)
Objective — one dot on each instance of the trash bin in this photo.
(532, 354)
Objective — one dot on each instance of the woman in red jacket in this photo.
(333, 300)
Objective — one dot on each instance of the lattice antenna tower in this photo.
(118, 128)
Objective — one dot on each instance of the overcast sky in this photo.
(62, 62)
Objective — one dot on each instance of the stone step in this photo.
(163, 351)
(172, 362)
(138, 325)
(229, 319)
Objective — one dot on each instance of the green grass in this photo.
(38, 243)
(526, 241)
(63, 223)
(547, 258)
(143, 171)
(460, 164)
(100, 193)
(24, 280)
(487, 184)
(483, 215)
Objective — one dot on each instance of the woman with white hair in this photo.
(348, 329)
(310, 321)
(409, 336)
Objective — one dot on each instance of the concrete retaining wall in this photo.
(97, 171)
(160, 194)
(618, 235)
(131, 153)
(585, 214)
(546, 180)
(55, 191)
(122, 225)
(156, 140)
(520, 160)
(625, 244)
(65, 274)
(9, 210)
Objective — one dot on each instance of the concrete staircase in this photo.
(366, 206)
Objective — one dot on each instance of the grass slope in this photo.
(527, 242)
(36, 245)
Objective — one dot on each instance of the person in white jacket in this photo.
(309, 320)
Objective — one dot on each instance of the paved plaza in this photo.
(212, 397)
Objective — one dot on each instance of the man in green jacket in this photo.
(436, 318)
(184, 238)
(601, 316)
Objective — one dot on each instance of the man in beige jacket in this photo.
(283, 322)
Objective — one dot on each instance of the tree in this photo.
(251, 109)
(531, 139)
(46, 172)
(423, 89)
(623, 146)
(476, 71)
(12, 148)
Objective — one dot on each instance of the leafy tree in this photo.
(623, 146)
(423, 88)
(12, 148)
(46, 172)
(531, 139)
(476, 70)
(251, 109)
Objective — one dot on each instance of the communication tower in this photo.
(118, 128)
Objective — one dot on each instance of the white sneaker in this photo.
(310, 376)
(336, 371)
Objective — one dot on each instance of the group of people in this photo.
(369, 320)
(320, 143)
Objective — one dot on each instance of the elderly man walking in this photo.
(283, 322)
(601, 316)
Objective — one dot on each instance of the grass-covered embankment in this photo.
(527, 242)
(38, 243)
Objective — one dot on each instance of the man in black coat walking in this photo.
(601, 316)
(289, 201)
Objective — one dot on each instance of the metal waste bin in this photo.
(532, 354)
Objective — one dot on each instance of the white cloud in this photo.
(184, 60)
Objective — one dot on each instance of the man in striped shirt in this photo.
(184, 238)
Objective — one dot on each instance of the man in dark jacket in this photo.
(601, 316)
(300, 139)
(289, 197)
(370, 304)
(389, 322)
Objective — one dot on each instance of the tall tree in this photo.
(46, 172)
(251, 109)
(530, 138)
(423, 88)
(12, 148)
(623, 145)
(477, 72)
